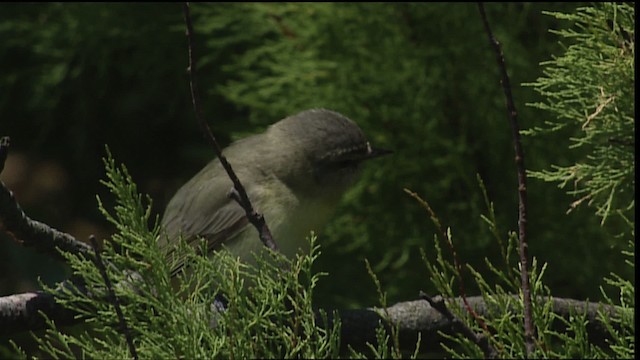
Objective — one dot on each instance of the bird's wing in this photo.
(226, 223)
(202, 212)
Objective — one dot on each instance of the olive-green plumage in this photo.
(294, 174)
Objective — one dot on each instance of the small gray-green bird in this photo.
(294, 173)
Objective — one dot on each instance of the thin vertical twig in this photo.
(238, 192)
(522, 185)
(113, 298)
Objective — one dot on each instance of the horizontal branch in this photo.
(419, 317)
(20, 312)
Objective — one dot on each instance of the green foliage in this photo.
(419, 78)
(269, 313)
(504, 315)
(623, 328)
(408, 74)
(590, 92)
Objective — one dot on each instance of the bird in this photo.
(294, 173)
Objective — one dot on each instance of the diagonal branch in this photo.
(30, 232)
(238, 192)
(33, 233)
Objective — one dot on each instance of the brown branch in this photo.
(21, 312)
(30, 232)
(522, 185)
(238, 192)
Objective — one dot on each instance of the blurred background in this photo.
(418, 78)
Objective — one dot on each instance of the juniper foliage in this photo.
(268, 313)
(589, 91)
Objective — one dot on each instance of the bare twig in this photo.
(522, 185)
(113, 298)
(238, 192)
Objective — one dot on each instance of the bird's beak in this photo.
(376, 152)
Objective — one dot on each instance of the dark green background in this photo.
(420, 79)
